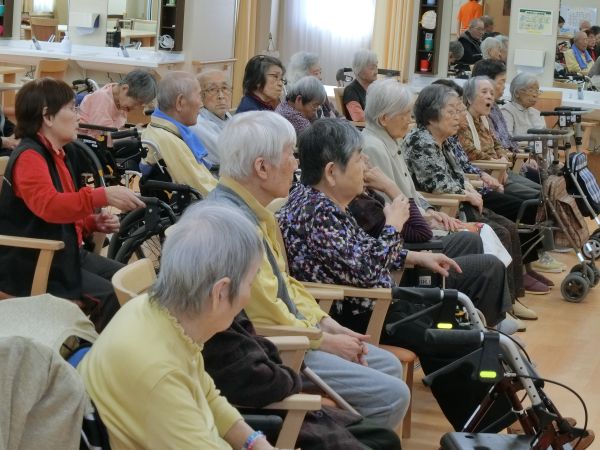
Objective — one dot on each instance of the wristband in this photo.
(256, 435)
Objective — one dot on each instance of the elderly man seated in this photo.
(577, 58)
(257, 167)
(471, 42)
(214, 114)
(182, 152)
(163, 397)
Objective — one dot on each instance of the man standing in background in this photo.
(472, 9)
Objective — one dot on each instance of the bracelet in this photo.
(256, 435)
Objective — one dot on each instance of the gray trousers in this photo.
(376, 391)
(521, 187)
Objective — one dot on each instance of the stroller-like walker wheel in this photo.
(589, 271)
(591, 249)
(574, 287)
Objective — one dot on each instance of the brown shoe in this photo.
(538, 276)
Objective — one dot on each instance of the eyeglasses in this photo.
(277, 78)
(453, 112)
(532, 91)
(214, 90)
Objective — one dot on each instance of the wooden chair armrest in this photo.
(477, 184)
(521, 155)
(439, 201)
(285, 330)
(489, 165)
(291, 349)
(25, 242)
(296, 405)
(305, 402)
(472, 176)
(358, 124)
(285, 343)
(455, 197)
(351, 291)
(324, 291)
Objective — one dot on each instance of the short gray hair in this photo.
(300, 64)
(473, 23)
(503, 40)
(362, 59)
(251, 135)
(194, 256)
(487, 20)
(141, 86)
(521, 82)
(309, 88)
(470, 87)
(205, 74)
(430, 102)
(173, 84)
(489, 44)
(388, 97)
(456, 50)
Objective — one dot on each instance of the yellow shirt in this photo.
(148, 382)
(266, 308)
(180, 161)
(573, 65)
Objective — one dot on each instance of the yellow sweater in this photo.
(266, 308)
(180, 161)
(148, 382)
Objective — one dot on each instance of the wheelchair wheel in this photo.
(591, 249)
(589, 271)
(574, 287)
(142, 233)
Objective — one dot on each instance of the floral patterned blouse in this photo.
(434, 168)
(325, 244)
(490, 146)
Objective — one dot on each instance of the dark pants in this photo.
(373, 437)
(96, 287)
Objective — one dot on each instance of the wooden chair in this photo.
(42, 28)
(53, 68)
(447, 203)
(42, 269)
(341, 106)
(136, 278)
(494, 168)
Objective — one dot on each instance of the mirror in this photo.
(132, 21)
(47, 17)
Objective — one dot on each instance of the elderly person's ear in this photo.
(329, 174)
(220, 293)
(260, 168)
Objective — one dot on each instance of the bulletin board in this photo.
(574, 15)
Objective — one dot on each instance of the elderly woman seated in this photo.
(163, 398)
(302, 102)
(364, 67)
(479, 141)
(493, 48)
(263, 84)
(324, 242)
(434, 168)
(303, 64)
(518, 112)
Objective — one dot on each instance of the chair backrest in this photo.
(547, 101)
(42, 28)
(53, 68)
(338, 92)
(133, 279)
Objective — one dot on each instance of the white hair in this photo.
(521, 82)
(195, 256)
(300, 64)
(173, 84)
(251, 135)
(388, 97)
(362, 59)
(490, 44)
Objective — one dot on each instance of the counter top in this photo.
(87, 56)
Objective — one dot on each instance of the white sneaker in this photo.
(508, 326)
(547, 263)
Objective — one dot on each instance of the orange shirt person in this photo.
(467, 12)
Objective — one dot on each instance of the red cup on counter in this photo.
(424, 65)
